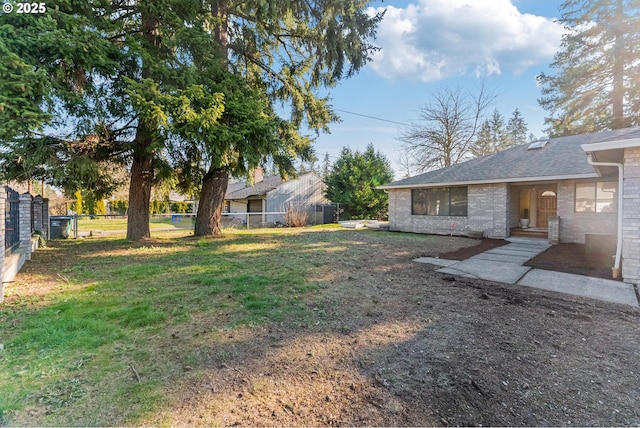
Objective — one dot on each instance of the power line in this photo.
(372, 117)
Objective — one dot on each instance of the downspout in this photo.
(590, 159)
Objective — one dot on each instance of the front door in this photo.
(547, 207)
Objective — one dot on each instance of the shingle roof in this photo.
(243, 191)
(561, 157)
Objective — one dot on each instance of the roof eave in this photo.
(491, 181)
(611, 145)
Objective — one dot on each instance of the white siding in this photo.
(304, 192)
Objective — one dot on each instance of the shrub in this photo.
(118, 207)
(181, 207)
(295, 217)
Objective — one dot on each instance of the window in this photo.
(226, 207)
(596, 197)
(537, 145)
(439, 201)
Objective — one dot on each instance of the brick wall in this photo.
(25, 223)
(45, 218)
(553, 234)
(3, 197)
(631, 217)
(36, 211)
(401, 219)
(573, 225)
(487, 211)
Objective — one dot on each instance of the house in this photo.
(571, 188)
(271, 194)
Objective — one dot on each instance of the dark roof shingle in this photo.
(237, 191)
(560, 157)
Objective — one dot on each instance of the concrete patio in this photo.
(505, 264)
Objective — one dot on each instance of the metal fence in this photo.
(254, 219)
(11, 220)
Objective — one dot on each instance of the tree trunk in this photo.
(221, 33)
(139, 196)
(142, 167)
(214, 183)
(209, 217)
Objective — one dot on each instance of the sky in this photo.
(427, 46)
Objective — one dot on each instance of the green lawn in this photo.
(96, 224)
(93, 330)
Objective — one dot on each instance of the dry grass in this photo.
(295, 217)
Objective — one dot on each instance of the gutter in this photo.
(591, 160)
(549, 178)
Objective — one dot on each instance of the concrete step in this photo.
(529, 233)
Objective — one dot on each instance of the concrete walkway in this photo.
(504, 264)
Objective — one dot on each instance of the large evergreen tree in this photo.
(516, 129)
(22, 92)
(286, 50)
(484, 144)
(498, 131)
(125, 73)
(495, 135)
(49, 86)
(352, 183)
(597, 84)
(247, 135)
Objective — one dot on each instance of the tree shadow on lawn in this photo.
(351, 347)
(501, 356)
(152, 296)
(414, 348)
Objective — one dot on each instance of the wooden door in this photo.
(547, 207)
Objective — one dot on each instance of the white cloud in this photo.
(435, 39)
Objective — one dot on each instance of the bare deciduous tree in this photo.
(405, 167)
(447, 128)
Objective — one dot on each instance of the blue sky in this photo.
(428, 45)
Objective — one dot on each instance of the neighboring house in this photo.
(270, 194)
(568, 186)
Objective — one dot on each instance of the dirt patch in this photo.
(464, 253)
(572, 258)
(569, 258)
(391, 342)
(401, 345)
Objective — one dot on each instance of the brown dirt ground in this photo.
(400, 344)
(404, 345)
(572, 258)
(464, 253)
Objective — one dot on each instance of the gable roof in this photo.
(560, 158)
(243, 191)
